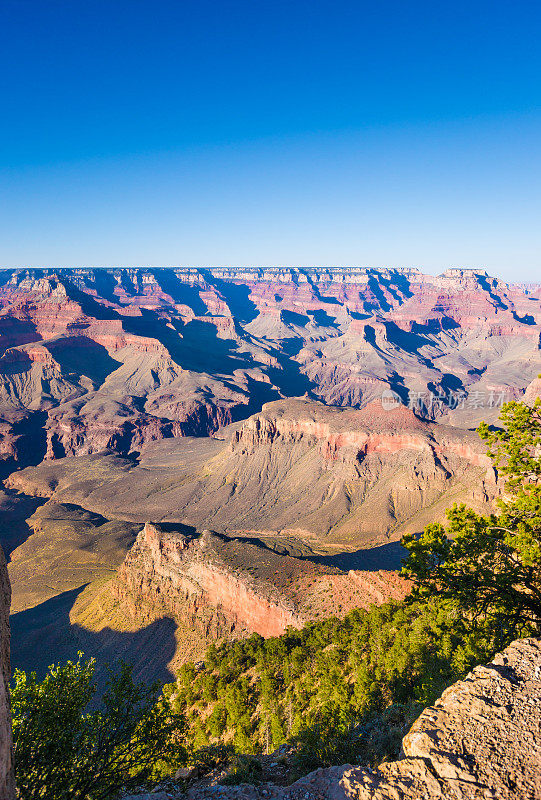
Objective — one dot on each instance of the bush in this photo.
(491, 565)
(64, 751)
(211, 757)
(246, 769)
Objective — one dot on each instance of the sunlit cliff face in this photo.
(228, 587)
(117, 358)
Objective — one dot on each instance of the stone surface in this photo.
(7, 791)
(482, 739)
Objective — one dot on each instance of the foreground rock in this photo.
(7, 791)
(480, 741)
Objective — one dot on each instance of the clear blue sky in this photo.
(271, 132)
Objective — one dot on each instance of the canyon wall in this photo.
(226, 587)
(7, 790)
(191, 580)
(118, 358)
(297, 469)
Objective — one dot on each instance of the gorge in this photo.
(305, 418)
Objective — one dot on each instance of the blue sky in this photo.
(383, 133)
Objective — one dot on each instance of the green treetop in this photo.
(491, 565)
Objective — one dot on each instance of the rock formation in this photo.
(227, 587)
(7, 791)
(115, 358)
(480, 741)
(297, 469)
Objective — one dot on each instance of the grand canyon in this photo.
(212, 476)
(270, 401)
(195, 454)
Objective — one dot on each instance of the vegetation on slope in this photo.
(343, 690)
(67, 750)
(490, 565)
(346, 690)
(337, 690)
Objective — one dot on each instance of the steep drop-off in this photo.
(226, 587)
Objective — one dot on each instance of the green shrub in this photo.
(64, 751)
(246, 769)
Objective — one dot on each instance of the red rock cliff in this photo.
(190, 579)
(232, 587)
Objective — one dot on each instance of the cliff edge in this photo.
(227, 587)
(480, 741)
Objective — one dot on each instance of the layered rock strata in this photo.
(115, 358)
(296, 469)
(227, 587)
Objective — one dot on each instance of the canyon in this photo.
(116, 358)
(220, 451)
(296, 470)
(225, 587)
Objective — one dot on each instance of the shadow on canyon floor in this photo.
(237, 297)
(182, 293)
(14, 512)
(83, 356)
(31, 443)
(44, 635)
(384, 556)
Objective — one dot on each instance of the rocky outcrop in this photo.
(533, 391)
(480, 741)
(370, 430)
(7, 791)
(198, 582)
(226, 587)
